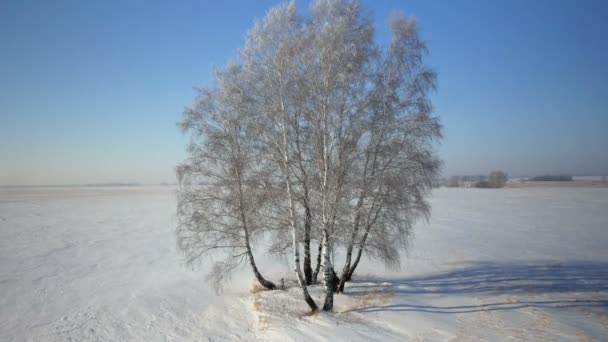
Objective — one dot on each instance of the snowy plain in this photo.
(100, 264)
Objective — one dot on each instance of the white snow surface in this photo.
(100, 264)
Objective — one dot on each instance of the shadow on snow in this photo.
(535, 278)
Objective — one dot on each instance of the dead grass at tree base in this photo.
(257, 288)
(270, 305)
(259, 307)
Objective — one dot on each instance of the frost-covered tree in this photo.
(337, 59)
(396, 164)
(270, 61)
(223, 189)
(335, 140)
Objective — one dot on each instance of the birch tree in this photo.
(223, 189)
(269, 58)
(339, 47)
(317, 132)
(397, 163)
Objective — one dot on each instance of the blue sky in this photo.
(90, 91)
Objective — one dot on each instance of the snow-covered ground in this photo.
(100, 264)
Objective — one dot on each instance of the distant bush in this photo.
(454, 182)
(484, 184)
(552, 178)
(496, 179)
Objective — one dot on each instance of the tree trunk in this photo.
(355, 264)
(349, 249)
(335, 280)
(359, 253)
(343, 278)
(315, 274)
(296, 250)
(347, 270)
(296, 259)
(292, 215)
(349, 254)
(328, 274)
(308, 276)
(263, 281)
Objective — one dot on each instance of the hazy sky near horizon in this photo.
(90, 91)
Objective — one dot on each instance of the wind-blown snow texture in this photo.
(100, 264)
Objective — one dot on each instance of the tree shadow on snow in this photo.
(492, 279)
(486, 307)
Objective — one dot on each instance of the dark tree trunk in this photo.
(349, 249)
(347, 275)
(311, 303)
(263, 281)
(347, 264)
(358, 258)
(343, 278)
(335, 280)
(315, 274)
(308, 275)
(354, 266)
(296, 260)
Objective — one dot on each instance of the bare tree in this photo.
(325, 104)
(397, 166)
(336, 139)
(269, 58)
(222, 189)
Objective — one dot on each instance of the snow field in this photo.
(100, 264)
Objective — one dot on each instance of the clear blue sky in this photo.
(90, 91)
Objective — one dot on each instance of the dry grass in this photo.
(312, 313)
(580, 337)
(259, 307)
(256, 288)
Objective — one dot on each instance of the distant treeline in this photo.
(93, 185)
(496, 179)
(552, 178)
(90, 185)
